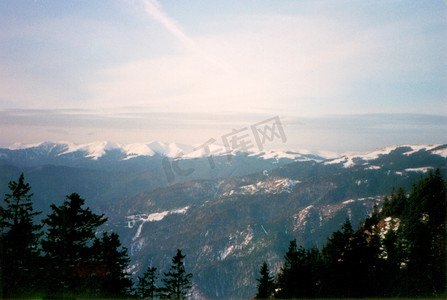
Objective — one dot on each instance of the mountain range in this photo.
(229, 218)
(109, 150)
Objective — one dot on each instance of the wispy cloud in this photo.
(155, 10)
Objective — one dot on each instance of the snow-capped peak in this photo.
(348, 158)
(170, 149)
(93, 150)
(42, 145)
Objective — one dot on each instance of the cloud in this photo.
(281, 63)
(359, 132)
(132, 119)
(311, 65)
(155, 10)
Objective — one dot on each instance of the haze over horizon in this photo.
(341, 76)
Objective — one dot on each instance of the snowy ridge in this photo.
(349, 158)
(441, 152)
(297, 156)
(96, 150)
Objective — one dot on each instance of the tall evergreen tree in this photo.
(335, 253)
(314, 268)
(360, 263)
(109, 254)
(393, 257)
(294, 275)
(19, 240)
(177, 281)
(286, 278)
(300, 275)
(266, 285)
(147, 284)
(70, 229)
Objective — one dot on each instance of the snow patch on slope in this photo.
(226, 252)
(237, 242)
(300, 218)
(266, 187)
(422, 169)
(158, 216)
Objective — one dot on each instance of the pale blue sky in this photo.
(342, 75)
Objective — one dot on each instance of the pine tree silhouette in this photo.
(266, 285)
(111, 258)
(70, 229)
(147, 287)
(19, 240)
(177, 281)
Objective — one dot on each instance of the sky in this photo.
(340, 75)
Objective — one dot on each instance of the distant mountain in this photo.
(373, 158)
(229, 218)
(106, 172)
(63, 152)
(229, 226)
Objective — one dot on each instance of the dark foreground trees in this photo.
(147, 284)
(175, 284)
(72, 259)
(78, 261)
(399, 251)
(69, 260)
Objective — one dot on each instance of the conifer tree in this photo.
(266, 285)
(109, 254)
(291, 280)
(177, 281)
(19, 240)
(147, 287)
(70, 228)
(336, 259)
(314, 265)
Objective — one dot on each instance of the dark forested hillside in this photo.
(397, 251)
